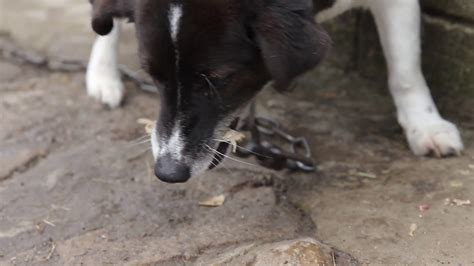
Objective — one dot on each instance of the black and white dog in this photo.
(214, 56)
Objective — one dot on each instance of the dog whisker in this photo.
(243, 148)
(229, 157)
(139, 139)
(221, 163)
(213, 163)
(229, 172)
(138, 154)
(139, 143)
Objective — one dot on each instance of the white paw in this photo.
(437, 138)
(105, 87)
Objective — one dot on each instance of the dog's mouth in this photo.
(221, 150)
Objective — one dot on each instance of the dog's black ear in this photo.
(290, 41)
(104, 12)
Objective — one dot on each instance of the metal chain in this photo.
(272, 156)
(11, 51)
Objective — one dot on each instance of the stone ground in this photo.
(77, 188)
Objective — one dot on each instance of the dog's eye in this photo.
(220, 83)
(216, 83)
(219, 78)
(210, 82)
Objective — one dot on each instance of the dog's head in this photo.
(210, 59)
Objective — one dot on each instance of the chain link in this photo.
(298, 158)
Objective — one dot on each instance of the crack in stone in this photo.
(30, 162)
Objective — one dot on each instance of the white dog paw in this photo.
(438, 138)
(107, 89)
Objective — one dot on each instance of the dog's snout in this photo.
(170, 170)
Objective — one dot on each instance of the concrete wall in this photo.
(448, 45)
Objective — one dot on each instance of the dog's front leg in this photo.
(398, 23)
(103, 77)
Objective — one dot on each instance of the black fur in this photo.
(228, 50)
(105, 10)
(289, 39)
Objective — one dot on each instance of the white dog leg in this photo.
(103, 77)
(398, 23)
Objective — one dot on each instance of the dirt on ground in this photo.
(77, 184)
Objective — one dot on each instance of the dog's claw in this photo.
(439, 139)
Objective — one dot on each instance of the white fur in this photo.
(176, 11)
(155, 147)
(202, 164)
(103, 77)
(174, 16)
(173, 146)
(398, 24)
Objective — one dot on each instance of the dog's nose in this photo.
(171, 170)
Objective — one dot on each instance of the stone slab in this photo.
(463, 9)
(448, 57)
